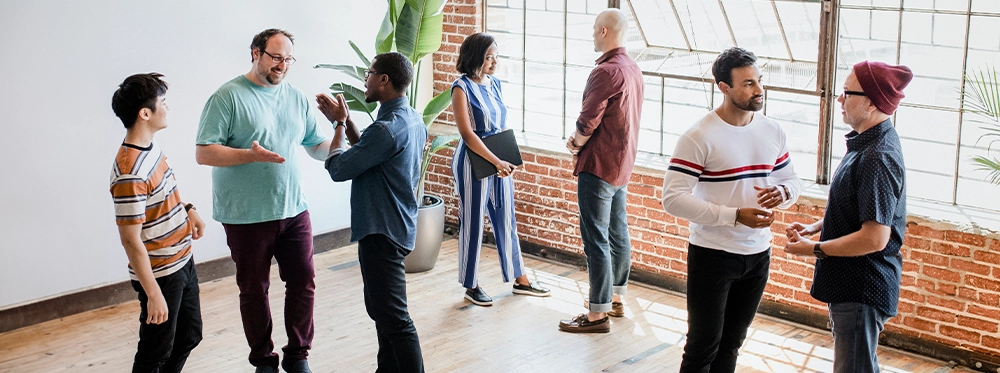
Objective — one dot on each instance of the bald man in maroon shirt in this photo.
(605, 143)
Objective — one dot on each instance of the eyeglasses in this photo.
(369, 72)
(287, 60)
(852, 93)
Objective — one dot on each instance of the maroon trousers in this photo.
(290, 243)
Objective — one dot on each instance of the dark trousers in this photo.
(164, 348)
(290, 243)
(723, 292)
(384, 278)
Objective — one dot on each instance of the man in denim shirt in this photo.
(384, 164)
(858, 265)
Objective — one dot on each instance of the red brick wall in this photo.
(950, 293)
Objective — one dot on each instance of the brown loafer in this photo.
(617, 308)
(580, 324)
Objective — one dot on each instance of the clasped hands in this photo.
(768, 198)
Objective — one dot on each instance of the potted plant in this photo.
(982, 97)
(413, 28)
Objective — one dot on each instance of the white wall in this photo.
(62, 60)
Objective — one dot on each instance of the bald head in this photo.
(610, 28)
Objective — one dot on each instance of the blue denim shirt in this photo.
(385, 166)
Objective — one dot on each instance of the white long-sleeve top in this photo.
(712, 173)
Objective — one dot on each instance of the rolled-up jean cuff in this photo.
(620, 290)
(604, 308)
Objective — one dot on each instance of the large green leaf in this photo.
(356, 72)
(436, 106)
(355, 98)
(364, 60)
(386, 38)
(419, 28)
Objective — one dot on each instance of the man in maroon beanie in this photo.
(858, 264)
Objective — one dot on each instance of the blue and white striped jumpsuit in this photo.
(493, 195)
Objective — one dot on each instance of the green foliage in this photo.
(982, 97)
(413, 28)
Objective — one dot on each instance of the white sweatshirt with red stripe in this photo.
(712, 173)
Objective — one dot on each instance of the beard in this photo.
(272, 75)
(749, 105)
(371, 96)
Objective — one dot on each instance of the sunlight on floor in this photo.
(762, 351)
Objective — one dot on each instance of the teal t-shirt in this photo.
(280, 119)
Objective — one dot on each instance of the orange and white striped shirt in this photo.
(145, 192)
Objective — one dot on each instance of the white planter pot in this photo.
(430, 232)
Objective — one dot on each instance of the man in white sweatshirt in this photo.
(727, 172)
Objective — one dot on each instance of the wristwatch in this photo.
(338, 124)
(818, 252)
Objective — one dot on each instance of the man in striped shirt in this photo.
(156, 229)
(727, 172)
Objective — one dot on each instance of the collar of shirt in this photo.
(388, 106)
(857, 141)
(611, 53)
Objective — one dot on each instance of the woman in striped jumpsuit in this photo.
(479, 112)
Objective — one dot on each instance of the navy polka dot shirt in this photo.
(869, 185)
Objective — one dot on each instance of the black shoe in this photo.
(478, 297)
(297, 366)
(265, 369)
(532, 288)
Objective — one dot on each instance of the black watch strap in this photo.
(818, 252)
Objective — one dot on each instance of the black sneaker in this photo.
(265, 369)
(532, 289)
(478, 297)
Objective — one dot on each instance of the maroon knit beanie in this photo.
(883, 83)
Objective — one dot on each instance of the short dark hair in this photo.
(397, 67)
(473, 52)
(135, 93)
(729, 59)
(260, 40)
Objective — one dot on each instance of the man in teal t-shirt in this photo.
(249, 131)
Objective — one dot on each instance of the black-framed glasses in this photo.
(852, 93)
(276, 59)
(369, 72)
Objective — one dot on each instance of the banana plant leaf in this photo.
(989, 165)
(982, 97)
(356, 72)
(355, 98)
(436, 106)
(364, 60)
(419, 28)
(385, 40)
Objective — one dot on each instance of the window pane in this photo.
(801, 23)
(958, 5)
(756, 28)
(704, 24)
(991, 6)
(649, 134)
(928, 138)
(799, 117)
(879, 3)
(659, 25)
(580, 40)
(937, 66)
(543, 99)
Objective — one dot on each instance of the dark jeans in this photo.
(290, 243)
(164, 348)
(856, 327)
(384, 278)
(604, 230)
(723, 292)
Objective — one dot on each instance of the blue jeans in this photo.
(856, 327)
(604, 230)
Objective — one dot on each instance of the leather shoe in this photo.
(580, 324)
(265, 369)
(478, 297)
(297, 366)
(617, 308)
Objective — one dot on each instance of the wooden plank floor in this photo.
(517, 334)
